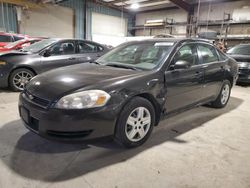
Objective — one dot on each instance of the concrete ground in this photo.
(202, 147)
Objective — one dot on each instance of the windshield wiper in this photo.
(121, 66)
(95, 62)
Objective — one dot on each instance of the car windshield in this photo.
(147, 55)
(38, 46)
(240, 50)
(13, 44)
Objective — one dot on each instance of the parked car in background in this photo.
(126, 91)
(6, 38)
(241, 53)
(18, 67)
(18, 45)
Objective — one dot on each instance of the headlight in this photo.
(83, 100)
(2, 63)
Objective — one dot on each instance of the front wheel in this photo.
(224, 96)
(19, 78)
(135, 123)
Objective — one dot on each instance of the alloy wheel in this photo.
(138, 124)
(225, 94)
(21, 78)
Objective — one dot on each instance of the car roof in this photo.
(174, 40)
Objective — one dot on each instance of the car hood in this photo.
(13, 53)
(59, 82)
(2, 44)
(2, 49)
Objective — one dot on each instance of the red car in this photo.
(19, 44)
(6, 38)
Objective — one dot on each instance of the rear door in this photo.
(61, 54)
(88, 51)
(214, 70)
(184, 86)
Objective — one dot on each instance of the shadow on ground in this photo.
(6, 90)
(36, 158)
(242, 84)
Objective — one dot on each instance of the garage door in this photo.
(108, 25)
(51, 21)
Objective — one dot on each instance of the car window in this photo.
(16, 38)
(4, 38)
(187, 53)
(63, 48)
(240, 50)
(85, 47)
(222, 55)
(208, 53)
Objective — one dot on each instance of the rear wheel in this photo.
(224, 96)
(19, 78)
(135, 123)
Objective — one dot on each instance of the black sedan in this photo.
(18, 67)
(241, 53)
(127, 91)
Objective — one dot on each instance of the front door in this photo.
(60, 54)
(184, 86)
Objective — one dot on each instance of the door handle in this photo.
(72, 58)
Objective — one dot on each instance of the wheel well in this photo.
(157, 107)
(21, 68)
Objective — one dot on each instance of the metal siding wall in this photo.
(93, 7)
(105, 10)
(8, 18)
(78, 7)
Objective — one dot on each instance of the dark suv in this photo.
(241, 53)
(127, 91)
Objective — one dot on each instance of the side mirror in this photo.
(181, 64)
(46, 53)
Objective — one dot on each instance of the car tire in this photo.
(224, 95)
(19, 78)
(135, 123)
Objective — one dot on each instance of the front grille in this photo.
(36, 100)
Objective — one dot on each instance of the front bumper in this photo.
(4, 74)
(244, 75)
(67, 125)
